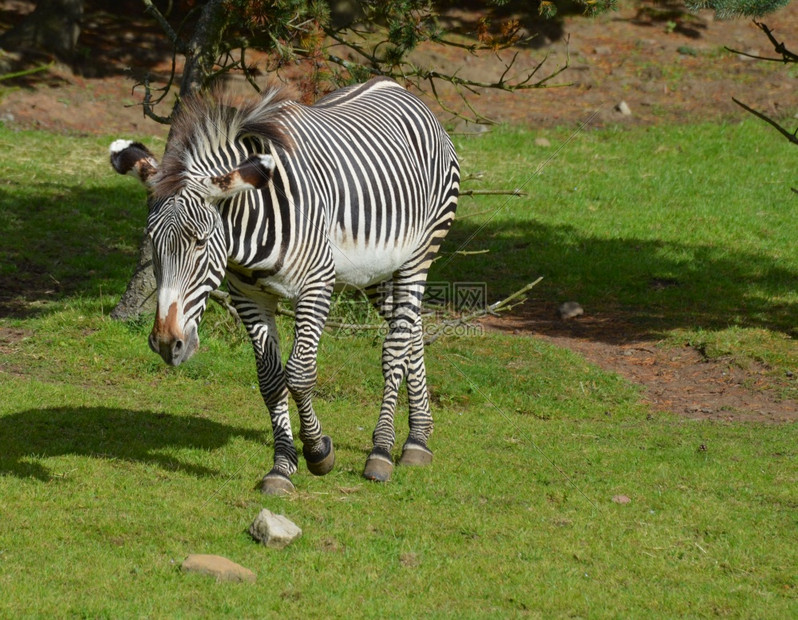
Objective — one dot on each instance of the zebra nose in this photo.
(173, 352)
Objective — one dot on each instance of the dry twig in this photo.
(435, 331)
(504, 305)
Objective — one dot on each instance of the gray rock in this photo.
(471, 129)
(570, 310)
(275, 531)
(748, 56)
(544, 142)
(624, 108)
(217, 566)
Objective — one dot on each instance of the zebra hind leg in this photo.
(415, 450)
(379, 464)
(400, 306)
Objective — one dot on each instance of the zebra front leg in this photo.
(311, 309)
(258, 319)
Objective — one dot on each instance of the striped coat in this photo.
(288, 200)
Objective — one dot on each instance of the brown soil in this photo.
(677, 379)
(668, 70)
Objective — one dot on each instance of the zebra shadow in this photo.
(28, 438)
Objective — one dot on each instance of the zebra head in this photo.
(188, 239)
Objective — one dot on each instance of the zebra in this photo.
(286, 200)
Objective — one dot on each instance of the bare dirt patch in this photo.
(667, 69)
(10, 339)
(677, 379)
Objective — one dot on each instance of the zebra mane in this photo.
(207, 124)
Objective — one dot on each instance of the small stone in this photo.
(471, 129)
(544, 142)
(621, 499)
(749, 55)
(275, 531)
(217, 566)
(624, 108)
(570, 310)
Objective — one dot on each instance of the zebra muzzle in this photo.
(174, 350)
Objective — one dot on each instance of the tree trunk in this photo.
(204, 48)
(201, 54)
(139, 298)
(53, 27)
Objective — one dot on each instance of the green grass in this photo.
(113, 467)
(680, 230)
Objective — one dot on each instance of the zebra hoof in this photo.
(415, 453)
(275, 483)
(378, 466)
(319, 466)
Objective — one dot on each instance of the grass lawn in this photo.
(113, 467)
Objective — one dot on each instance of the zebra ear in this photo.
(133, 158)
(254, 173)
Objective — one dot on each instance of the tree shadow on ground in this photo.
(29, 437)
(471, 17)
(78, 242)
(672, 15)
(66, 241)
(643, 286)
(116, 38)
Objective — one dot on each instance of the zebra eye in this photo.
(200, 244)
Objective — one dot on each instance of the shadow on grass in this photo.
(651, 285)
(66, 241)
(28, 437)
(116, 38)
(81, 242)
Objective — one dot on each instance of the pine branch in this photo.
(11, 76)
(792, 137)
(786, 55)
(148, 104)
(152, 10)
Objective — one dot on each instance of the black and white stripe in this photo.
(288, 200)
